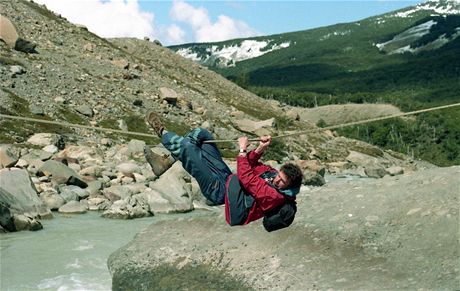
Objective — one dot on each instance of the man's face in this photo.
(281, 181)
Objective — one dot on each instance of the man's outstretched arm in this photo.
(266, 196)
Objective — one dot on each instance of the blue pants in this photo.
(201, 160)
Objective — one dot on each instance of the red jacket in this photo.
(266, 197)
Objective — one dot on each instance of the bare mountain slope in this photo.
(119, 80)
(78, 77)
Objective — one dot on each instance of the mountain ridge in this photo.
(442, 8)
(407, 58)
(77, 77)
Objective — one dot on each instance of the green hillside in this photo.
(409, 58)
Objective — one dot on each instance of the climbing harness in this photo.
(65, 124)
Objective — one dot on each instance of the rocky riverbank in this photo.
(48, 174)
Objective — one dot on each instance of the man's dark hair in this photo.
(293, 173)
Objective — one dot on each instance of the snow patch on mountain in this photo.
(335, 33)
(228, 56)
(439, 7)
(401, 42)
(409, 35)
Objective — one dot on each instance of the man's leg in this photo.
(202, 161)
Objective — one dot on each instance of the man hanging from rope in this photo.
(255, 191)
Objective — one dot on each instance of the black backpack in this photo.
(280, 217)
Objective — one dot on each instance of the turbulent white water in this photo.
(70, 253)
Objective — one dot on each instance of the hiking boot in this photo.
(159, 162)
(155, 122)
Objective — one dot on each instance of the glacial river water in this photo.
(70, 253)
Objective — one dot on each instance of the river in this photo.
(70, 253)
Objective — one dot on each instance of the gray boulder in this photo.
(175, 186)
(36, 154)
(25, 46)
(51, 149)
(94, 171)
(79, 153)
(94, 187)
(135, 206)
(8, 156)
(136, 147)
(128, 168)
(8, 32)
(394, 170)
(258, 127)
(117, 192)
(373, 167)
(85, 109)
(157, 203)
(6, 217)
(52, 199)
(36, 109)
(62, 174)
(312, 178)
(72, 207)
(26, 222)
(169, 95)
(73, 193)
(45, 139)
(375, 172)
(121, 63)
(17, 70)
(98, 203)
(18, 196)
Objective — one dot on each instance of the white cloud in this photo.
(203, 28)
(175, 34)
(109, 18)
(195, 17)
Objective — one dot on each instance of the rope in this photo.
(345, 124)
(66, 124)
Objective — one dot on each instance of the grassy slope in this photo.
(319, 70)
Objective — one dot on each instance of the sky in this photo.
(179, 21)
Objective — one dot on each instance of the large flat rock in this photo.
(392, 233)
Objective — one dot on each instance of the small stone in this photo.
(372, 218)
(59, 99)
(8, 156)
(128, 168)
(85, 109)
(51, 149)
(106, 142)
(122, 125)
(413, 211)
(37, 110)
(393, 171)
(72, 207)
(17, 70)
(168, 95)
(127, 180)
(22, 164)
(123, 64)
